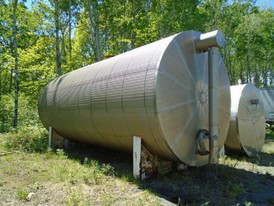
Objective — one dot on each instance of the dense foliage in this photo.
(48, 38)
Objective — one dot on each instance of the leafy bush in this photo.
(6, 113)
(27, 113)
(28, 139)
(270, 130)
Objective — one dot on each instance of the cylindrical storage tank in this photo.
(247, 124)
(268, 102)
(158, 92)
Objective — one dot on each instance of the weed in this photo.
(106, 199)
(97, 176)
(271, 201)
(269, 130)
(248, 203)
(72, 177)
(28, 139)
(107, 169)
(75, 198)
(34, 186)
(61, 153)
(206, 204)
(148, 194)
(128, 177)
(87, 177)
(233, 190)
(22, 194)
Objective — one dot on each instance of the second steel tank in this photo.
(247, 125)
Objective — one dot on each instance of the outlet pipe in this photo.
(213, 104)
(211, 42)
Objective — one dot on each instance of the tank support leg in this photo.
(145, 164)
(50, 137)
(136, 156)
(56, 141)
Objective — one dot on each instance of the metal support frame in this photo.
(210, 42)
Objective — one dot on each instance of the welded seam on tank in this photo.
(58, 79)
(155, 107)
(249, 131)
(175, 154)
(223, 87)
(44, 106)
(185, 126)
(221, 65)
(224, 110)
(204, 70)
(67, 106)
(258, 135)
(113, 67)
(184, 61)
(175, 106)
(196, 57)
(198, 54)
(108, 83)
(122, 95)
(79, 111)
(69, 89)
(91, 100)
(250, 112)
(168, 76)
(145, 105)
(202, 86)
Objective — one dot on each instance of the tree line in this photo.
(50, 38)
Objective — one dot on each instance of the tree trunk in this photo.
(248, 76)
(16, 85)
(63, 49)
(132, 34)
(70, 47)
(256, 76)
(0, 85)
(57, 45)
(10, 81)
(94, 21)
(161, 27)
(243, 80)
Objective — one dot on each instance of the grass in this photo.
(59, 178)
(96, 176)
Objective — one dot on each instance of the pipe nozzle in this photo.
(210, 39)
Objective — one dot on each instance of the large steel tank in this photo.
(158, 92)
(247, 125)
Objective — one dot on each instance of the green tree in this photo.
(255, 47)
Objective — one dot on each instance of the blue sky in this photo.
(264, 4)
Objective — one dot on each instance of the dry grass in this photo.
(97, 176)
